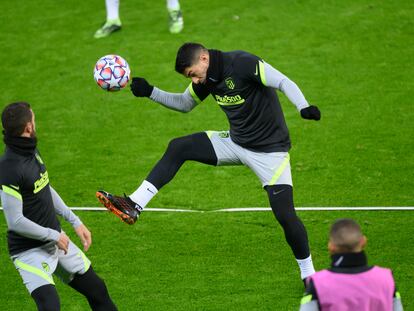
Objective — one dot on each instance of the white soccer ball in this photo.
(111, 72)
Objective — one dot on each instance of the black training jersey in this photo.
(26, 178)
(253, 110)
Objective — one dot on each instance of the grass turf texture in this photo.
(215, 261)
(349, 58)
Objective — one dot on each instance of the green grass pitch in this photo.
(351, 58)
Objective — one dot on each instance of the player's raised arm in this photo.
(272, 77)
(183, 102)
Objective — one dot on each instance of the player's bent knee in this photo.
(179, 144)
(46, 298)
(179, 149)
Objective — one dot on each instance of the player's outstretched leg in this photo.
(195, 147)
(123, 207)
(281, 201)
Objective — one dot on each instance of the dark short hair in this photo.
(187, 55)
(346, 234)
(15, 117)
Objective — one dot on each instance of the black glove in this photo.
(141, 88)
(311, 113)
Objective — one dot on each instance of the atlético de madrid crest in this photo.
(230, 83)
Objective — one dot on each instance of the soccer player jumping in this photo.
(243, 85)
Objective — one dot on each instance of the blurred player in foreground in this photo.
(113, 22)
(350, 284)
(243, 85)
(37, 245)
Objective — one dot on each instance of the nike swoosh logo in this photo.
(277, 192)
(214, 80)
(338, 262)
(15, 187)
(150, 191)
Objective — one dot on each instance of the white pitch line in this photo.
(261, 209)
(102, 209)
(339, 208)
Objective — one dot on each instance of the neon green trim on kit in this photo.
(12, 192)
(262, 73)
(193, 94)
(397, 295)
(305, 299)
(209, 134)
(86, 261)
(34, 270)
(280, 170)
